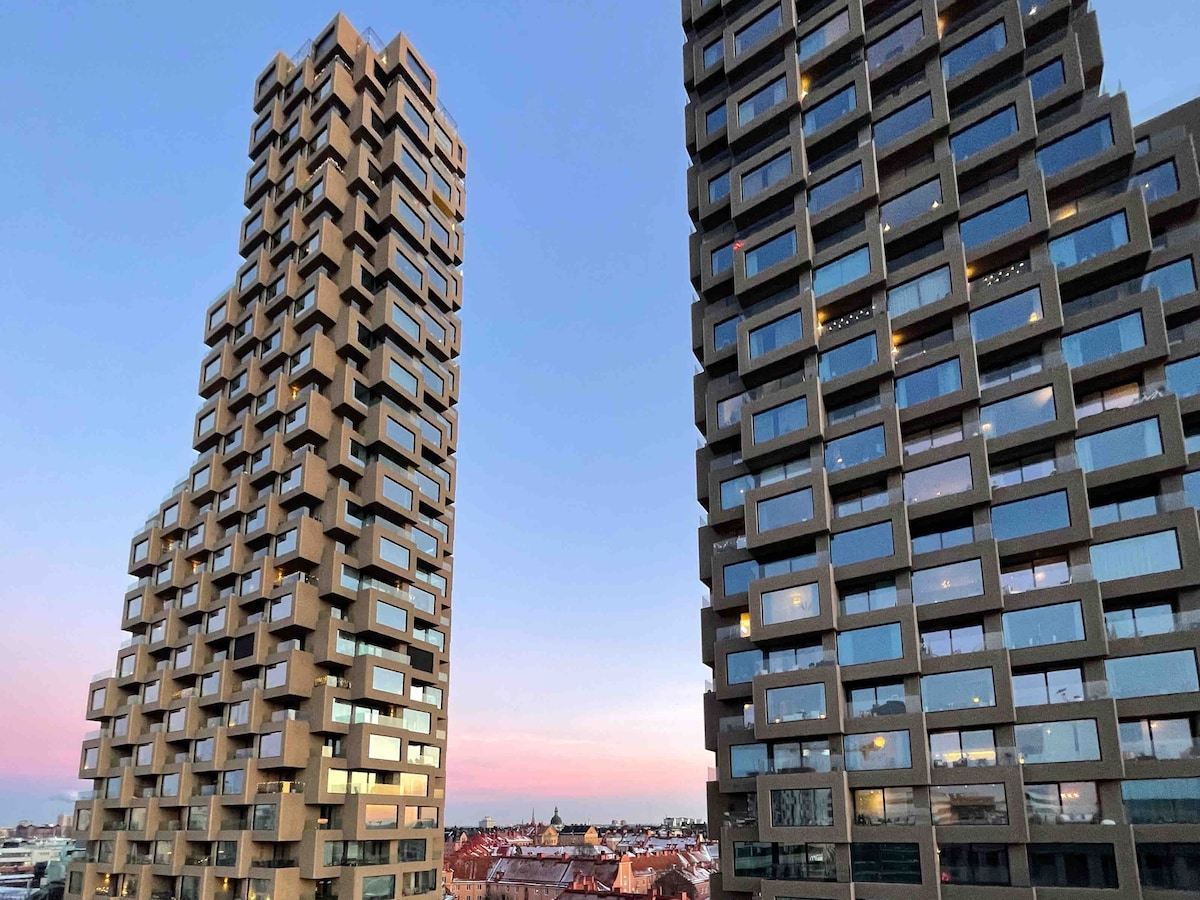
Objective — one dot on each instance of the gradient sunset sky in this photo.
(576, 675)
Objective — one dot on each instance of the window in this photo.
(862, 544)
(775, 335)
(993, 223)
(943, 479)
(763, 177)
(868, 645)
(886, 863)
(390, 551)
(1043, 625)
(381, 746)
(1173, 867)
(780, 420)
(1156, 183)
(974, 51)
(387, 680)
(722, 259)
(1090, 241)
(790, 604)
(1072, 865)
(855, 449)
(718, 187)
(962, 748)
(1007, 315)
(973, 864)
(968, 804)
(1016, 413)
(1127, 443)
(270, 744)
(1152, 674)
(1183, 377)
(757, 31)
(1104, 341)
(1130, 557)
(832, 190)
(842, 271)
(784, 862)
(895, 43)
(1155, 801)
(949, 641)
(714, 53)
(758, 103)
(824, 35)
(796, 703)
(1072, 740)
(877, 700)
(1055, 686)
(828, 112)
(928, 384)
(800, 808)
(784, 510)
(379, 887)
(922, 291)
(911, 204)
(1048, 78)
(984, 134)
(949, 582)
(1157, 739)
(848, 358)
(715, 119)
(968, 689)
(1021, 518)
(771, 253)
(877, 750)
(881, 595)
(904, 120)
(1075, 147)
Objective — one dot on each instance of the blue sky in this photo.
(576, 673)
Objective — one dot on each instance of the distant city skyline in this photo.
(577, 680)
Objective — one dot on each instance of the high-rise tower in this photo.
(275, 725)
(947, 313)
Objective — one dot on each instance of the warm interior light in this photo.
(879, 743)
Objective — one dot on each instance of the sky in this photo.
(576, 678)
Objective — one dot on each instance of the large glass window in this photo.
(1104, 341)
(1073, 865)
(1145, 554)
(722, 259)
(968, 804)
(824, 35)
(973, 864)
(983, 134)
(1007, 315)
(1016, 413)
(995, 222)
(862, 544)
(962, 748)
(968, 689)
(843, 184)
(928, 288)
(904, 120)
(889, 863)
(841, 271)
(1183, 377)
(928, 384)
(1137, 440)
(1172, 280)
(1075, 147)
(1152, 674)
(877, 750)
(1073, 740)
(1155, 801)
(796, 703)
(970, 53)
(868, 645)
(801, 807)
(769, 173)
(848, 358)
(715, 119)
(1049, 77)
(1173, 867)
(1161, 181)
(855, 449)
(1042, 625)
(1062, 803)
(949, 582)
(909, 205)
(829, 111)
(774, 335)
(718, 187)
(885, 806)
(774, 251)
(789, 604)
(895, 43)
(1090, 241)
(1033, 515)
(784, 510)
(943, 479)
(780, 420)
(757, 31)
